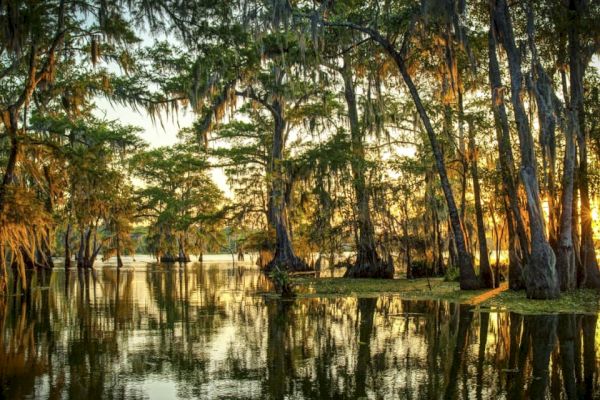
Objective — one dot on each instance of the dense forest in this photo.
(389, 137)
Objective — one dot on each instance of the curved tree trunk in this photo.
(468, 279)
(541, 278)
(368, 263)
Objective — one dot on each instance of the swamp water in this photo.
(207, 331)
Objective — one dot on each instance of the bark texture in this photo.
(368, 264)
(541, 278)
(590, 276)
(518, 240)
(284, 256)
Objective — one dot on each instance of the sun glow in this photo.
(595, 220)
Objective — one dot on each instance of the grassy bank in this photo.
(579, 301)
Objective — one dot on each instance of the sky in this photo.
(153, 132)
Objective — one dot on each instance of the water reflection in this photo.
(205, 331)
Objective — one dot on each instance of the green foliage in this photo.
(178, 200)
(452, 274)
(283, 283)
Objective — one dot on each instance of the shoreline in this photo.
(580, 301)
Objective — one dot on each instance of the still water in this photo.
(207, 331)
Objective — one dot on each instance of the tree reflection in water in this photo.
(207, 331)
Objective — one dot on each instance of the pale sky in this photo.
(155, 133)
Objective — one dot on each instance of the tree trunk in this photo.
(462, 149)
(87, 253)
(485, 271)
(45, 246)
(80, 253)
(468, 279)
(548, 107)
(118, 246)
(591, 276)
(565, 255)
(68, 247)
(409, 274)
(545, 98)
(518, 244)
(45, 251)
(452, 254)
(439, 261)
(575, 200)
(541, 278)
(182, 255)
(368, 263)
(516, 280)
(284, 257)
(10, 122)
